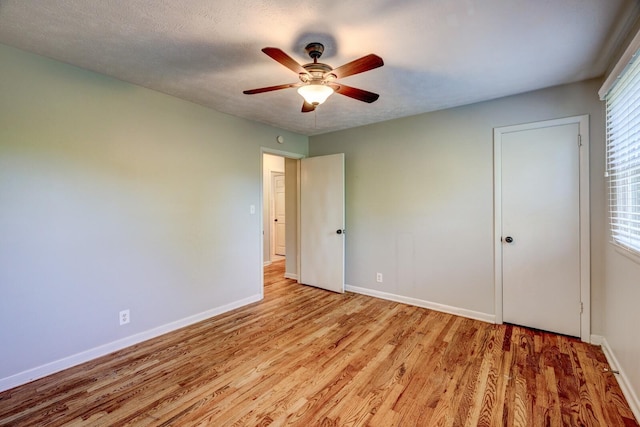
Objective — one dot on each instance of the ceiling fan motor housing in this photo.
(317, 72)
(315, 50)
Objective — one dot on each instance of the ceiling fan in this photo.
(318, 80)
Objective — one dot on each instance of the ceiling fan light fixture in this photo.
(315, 94)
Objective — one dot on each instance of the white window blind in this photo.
(623, 157)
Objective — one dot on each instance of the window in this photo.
(623, 156)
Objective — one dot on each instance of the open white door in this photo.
(322, 222)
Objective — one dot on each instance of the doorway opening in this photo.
(280, 189)
(314, 225)
(273, 174)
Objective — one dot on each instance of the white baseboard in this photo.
(623, 380)
(596, 339)
(291, 276)
(85, 356)
(266, 263)
(485, 317)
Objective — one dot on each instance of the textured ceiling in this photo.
(437, 53)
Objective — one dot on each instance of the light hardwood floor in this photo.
(308, 357)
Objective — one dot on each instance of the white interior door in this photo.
(322, 222)
(541, 228)
(279, 219)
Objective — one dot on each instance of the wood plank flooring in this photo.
(307, 357)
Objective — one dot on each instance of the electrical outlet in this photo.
(124, 317)
(379, 277)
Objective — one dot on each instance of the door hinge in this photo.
(581, 307)
(579, 140)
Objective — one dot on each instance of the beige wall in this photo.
(622, 317)
(420, 197)
(116, 197)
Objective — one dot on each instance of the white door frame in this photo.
(585, 246)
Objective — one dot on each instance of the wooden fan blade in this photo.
(270, 88)
(361, 65)
(355, 93)
(307, 107)
(284, 59)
